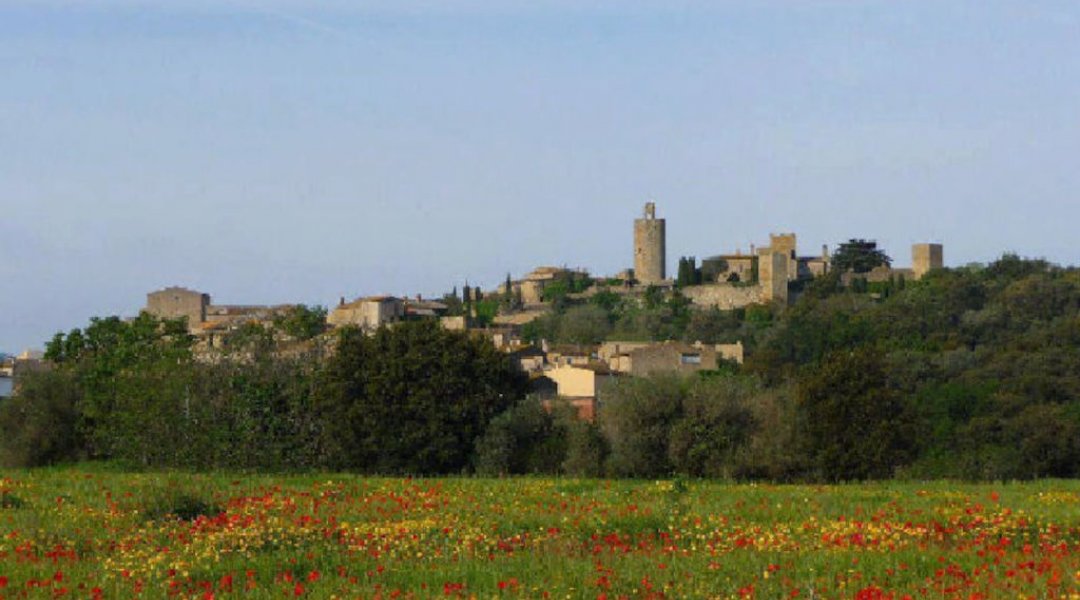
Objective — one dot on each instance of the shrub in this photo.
(178, 502)
(38, 425)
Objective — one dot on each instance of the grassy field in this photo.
(90, 532)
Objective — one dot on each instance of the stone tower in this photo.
(925, 257)
(178, 302)
(773, 275)
(650, 249)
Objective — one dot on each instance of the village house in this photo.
(368, 313)
(580, 386)
(528, 359)
(569, 354)
(674, 357)
(211, 324)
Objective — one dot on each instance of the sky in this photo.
(273, 151)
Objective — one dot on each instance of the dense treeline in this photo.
(969, 373)
(411, 399)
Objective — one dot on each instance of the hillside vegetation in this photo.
(968, 373)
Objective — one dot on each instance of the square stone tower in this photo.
(784, 243)
(650, 247)
(926, 257)
(178, 302)
(773, 275)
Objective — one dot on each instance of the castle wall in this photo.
(724, 295)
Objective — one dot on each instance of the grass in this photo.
(92, 531)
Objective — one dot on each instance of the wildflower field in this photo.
(90, 532)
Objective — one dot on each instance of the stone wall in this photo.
(724, 296)
(671, 358)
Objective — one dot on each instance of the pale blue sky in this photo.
(271, 151)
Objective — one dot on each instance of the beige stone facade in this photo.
(458, 323)
(725, 268)
(784, 244)
(571, 355)
(574, 382)
(528, 359)
(674, 357)
(925, 258)
(773, 275)
(532, 286)
(177, 303)
(368, 313)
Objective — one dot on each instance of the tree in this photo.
(411, 399)
(302, 322)
(681, 273)
(131, 378)
(859, 256)
(688, 273)
(857, 426)
(636, 420)
(38, 425)
(653, 297)
(586, 324)
(511, 297)
(717, 421)
(523, 439)
(453, 303)
(467, 300)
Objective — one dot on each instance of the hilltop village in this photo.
(770, 275)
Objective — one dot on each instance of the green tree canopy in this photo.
(411, 399)
(859, 256)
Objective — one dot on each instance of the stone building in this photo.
(674, 357)
(569, 354)
(528, 359)
(177, 302)
(368, 313)
(420, 309)
(733, 268)
(650, 248)
(532, 286)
